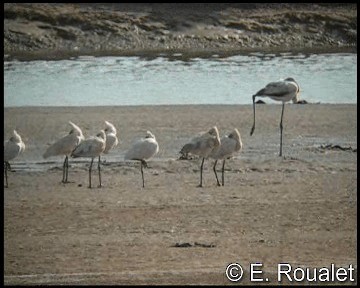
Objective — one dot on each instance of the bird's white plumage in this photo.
(66, 144)
(13, 147)
(91, 147)
(230, 144)
(203, 145)
(284, 90)
(143, 149)
(111, 138)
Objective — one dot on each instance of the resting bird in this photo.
(203, 146)
(229, 146)
(91, 147)
(64, 146)
(111, 138)
(12, 149)
(142, 150)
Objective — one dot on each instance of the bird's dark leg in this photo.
(99, 172)
(143, 163)
(65, 170)
(6, 165)
(92, 159)
(63, 178)
(281, 128)
(223, 170)
(214, 168)
(201, 169)
(253, 127)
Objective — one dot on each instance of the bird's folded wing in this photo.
(277, 89)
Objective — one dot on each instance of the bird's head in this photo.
(296, 98)
(101, 134)
(290, 79)
(235, 134)
(109, 127)
(16, 137)
(214, 131)
(149, 135)
(75, 130)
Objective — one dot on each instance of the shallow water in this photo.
(107, 81)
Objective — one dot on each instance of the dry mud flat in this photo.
(300, 209)
(48, 31)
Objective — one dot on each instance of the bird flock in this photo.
(205, 145)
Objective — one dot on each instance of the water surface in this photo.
(107, 81)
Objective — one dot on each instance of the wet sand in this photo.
(298, 209)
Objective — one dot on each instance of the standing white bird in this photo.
(64, 146)
(142, 150)
(12, 148)
(111, 138)
(284, 91)
(91, 147)
(203, 146)
(229, 145)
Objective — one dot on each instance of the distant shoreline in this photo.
(182, 54)
(54, 31)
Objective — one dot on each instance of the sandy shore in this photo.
(300, 209)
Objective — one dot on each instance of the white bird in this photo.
(91, 147)
(64, 146)
(229, 145)
(142, 150)
(12, 148)
(111, 138)
(284, 91)
(203, 146)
